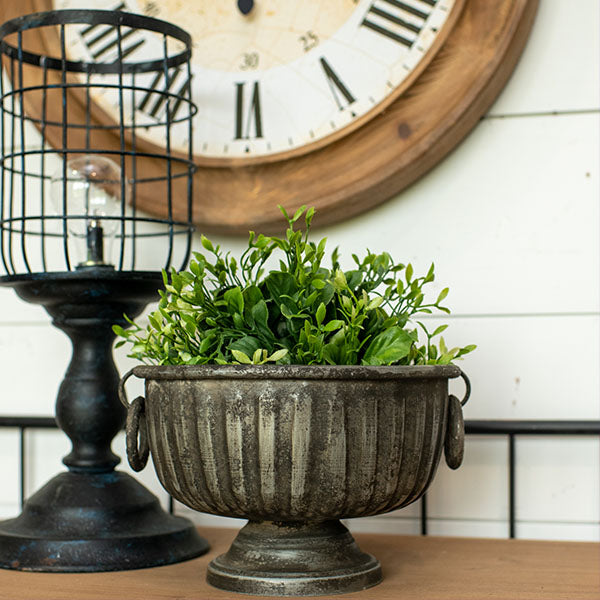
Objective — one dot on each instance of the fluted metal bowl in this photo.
(293, 449)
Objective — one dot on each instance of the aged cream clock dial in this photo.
(333, 103)
(285, 77)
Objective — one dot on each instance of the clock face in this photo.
(273, 78)
(336, 104)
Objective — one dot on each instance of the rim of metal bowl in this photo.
(320, 372)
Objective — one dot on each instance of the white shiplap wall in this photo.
(511, 220)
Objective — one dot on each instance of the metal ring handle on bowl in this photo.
(454, 443)
(137, 435)
(468, 388)
(135, 427)
(121, 390)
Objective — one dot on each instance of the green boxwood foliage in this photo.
(222, 311)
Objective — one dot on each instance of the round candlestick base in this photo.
(81, 522)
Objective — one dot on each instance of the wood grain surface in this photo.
(415, 568)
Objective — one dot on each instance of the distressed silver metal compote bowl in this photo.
(293, 449)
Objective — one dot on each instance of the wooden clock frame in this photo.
(376, 161)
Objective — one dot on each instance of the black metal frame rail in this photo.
(509, 428)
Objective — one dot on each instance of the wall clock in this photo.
(338, 104)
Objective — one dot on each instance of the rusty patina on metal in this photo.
(293, 449)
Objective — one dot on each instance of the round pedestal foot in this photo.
(95, 522)
(294, 559)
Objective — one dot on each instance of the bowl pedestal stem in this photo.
(294, 559)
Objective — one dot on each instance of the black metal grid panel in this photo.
(509, 428)
(43, 216)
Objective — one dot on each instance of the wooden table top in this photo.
(414, 568)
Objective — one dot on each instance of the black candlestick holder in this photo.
(56, 254)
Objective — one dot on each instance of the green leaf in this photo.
(333, 325)
(327, 293)
(354, 279)
(285, 311)
(374, 303)
(247, 344)
(320, 314)
(311, 299)
(235, 300)
(443, 348)
(466, 350)
(331, 353)
(278, 355)
(241, 357)
(251, 295)
(442, 295)
(260, 313)
(238, 321)
(430, 274)
(118, 330)
(154, 322)
(388, 347)
(280, 284)
(439, 330)
(310, 213)
(339, 280)
(321, 246)
(299, 213)
(205, 344)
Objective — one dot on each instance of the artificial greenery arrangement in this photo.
(224, 311)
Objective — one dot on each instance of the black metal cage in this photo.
(114, 128)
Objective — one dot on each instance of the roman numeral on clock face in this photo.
(247, 115)
(339, 91)
(102, 41)
(155, 101)
(400, 21)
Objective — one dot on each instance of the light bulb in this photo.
(86, 193)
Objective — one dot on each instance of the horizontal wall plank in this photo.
(405, 525)
(146, 477)
(206, 520)
(9, 465)
(574, 532)
(468, 528)
(34, 359)
(559, 69)
(14, 311)
(454, 494)
(45, 450)
(529, 367)
(558, 479)
(525, 530)
(510, 219)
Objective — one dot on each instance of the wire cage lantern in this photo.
(70, 201)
